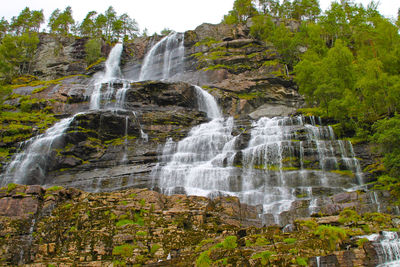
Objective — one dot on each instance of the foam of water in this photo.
(202, 163)
(165, 59)
(112, 71)
(34, 158)
(387, 246)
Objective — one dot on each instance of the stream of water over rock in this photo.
(271, 162)
(31, 164)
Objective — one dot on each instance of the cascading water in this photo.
(387, 246)
(284, 160)
(112, 72)
(165, 58)
(32, 163)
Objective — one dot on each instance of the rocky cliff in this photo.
(69, 227)
(118, 147)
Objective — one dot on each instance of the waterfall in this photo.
(387, 246)
(285, 159)
(207, 103)
(112, 71)
(165, 58)
(37, 154)
(33, 161)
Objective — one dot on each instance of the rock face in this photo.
(59, 56)
(108, 149)
(242, 73)
(117, 147)
(69, 227)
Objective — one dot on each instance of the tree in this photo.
(128, 27)
(270, 7)
(93, 50)
(16, 54)
(305, 9)
(27, 21)
(4, 26)
(165, 31)
(61, 22)
(108, 27)
(88, 26)
(242, 10)
(387, 135)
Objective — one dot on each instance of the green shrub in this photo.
(229, 242)
(349, 216)
(93, 50)
(331, 235)
(204, 259)
(263, 256)
(290, 240)
(301, 261)
(123, 222)
(125, 250)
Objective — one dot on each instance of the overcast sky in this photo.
(155, 15)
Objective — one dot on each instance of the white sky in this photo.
(155, 15)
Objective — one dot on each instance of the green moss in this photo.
(344, 173)
(349, 216)
(301, 261)
(208, 41)
(360, 242)
(54, 188)
(101, 59)
(290, 240)
(331, 235)
(318, 112)
(261, 241)
(264, 256)
(229, 242)
(141, 233)
(204, 259)
(123, 222)
(154, 248)
(216, 67)
(125, 250)
(11, 187)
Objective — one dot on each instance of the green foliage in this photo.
(124, 222)
(27, 21)
(61, 22)
(387, 135)
(331, 235)
(242, 10)
(16, 55)
(360, 242)
(54, 188)
(204, 259)
(125, 250)
(349, 216)
(154, 248)
(93, 50)
(229, 242)
(264, 257)
(11, 187)
(301, 261)
(290, 240)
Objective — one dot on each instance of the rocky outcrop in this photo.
(244, 74)
(111, 149)
(59, 56)
(69, 227)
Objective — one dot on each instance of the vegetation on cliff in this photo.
(346, 62)
(19, 38)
